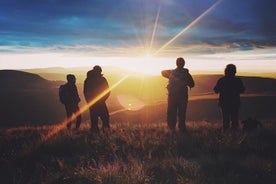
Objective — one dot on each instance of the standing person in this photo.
(179, 81)
(229, 88)
(68, 95)
(96, 92)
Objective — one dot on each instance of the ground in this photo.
(139, 153)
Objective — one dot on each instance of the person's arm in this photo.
(85, 90)
(241, 87)
(217, 87)
(190, 82)
(106, 87)
(166, 73)
(76, 94)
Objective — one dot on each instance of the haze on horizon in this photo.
(145, 36)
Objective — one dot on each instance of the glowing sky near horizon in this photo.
(125, 33)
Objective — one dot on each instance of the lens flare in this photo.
(57, 128)
(154, 30)
(189, 26)
(130, 103)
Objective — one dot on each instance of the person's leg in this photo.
(182, 106)
(171, 113)
(78, 121)
(104, 115)
(234, 118)
(226, 118)
(69, 113)
(94, 119)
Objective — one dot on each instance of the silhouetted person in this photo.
(69, 96)
(179, 81)
(229, 88)
(96, 92)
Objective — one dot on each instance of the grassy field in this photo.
(139, 153)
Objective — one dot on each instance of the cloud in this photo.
(123, 24)
(265, 17)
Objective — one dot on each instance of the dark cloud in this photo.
(265, 16)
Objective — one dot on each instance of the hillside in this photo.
(139, 153)
(27, 98)
(204, 82)
(11, 79)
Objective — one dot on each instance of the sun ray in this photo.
(195, 21)
(154, 30)
(84, 108)
(57, 128)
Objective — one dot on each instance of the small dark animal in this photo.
(250, 124)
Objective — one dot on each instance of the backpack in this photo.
(63, 94)
(179, 80)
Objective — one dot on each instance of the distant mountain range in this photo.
(204, 83)
(27, 98)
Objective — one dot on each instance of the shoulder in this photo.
(222, 78)
(181, 71)
(102, 77)
(186, 70)
(63, 86)
(89, 73)
(238, 78)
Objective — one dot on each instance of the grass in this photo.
(139, 153)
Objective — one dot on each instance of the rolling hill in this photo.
(27, 98)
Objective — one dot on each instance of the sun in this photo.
(130, 103)
(147, 57)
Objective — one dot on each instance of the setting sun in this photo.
(130, 103)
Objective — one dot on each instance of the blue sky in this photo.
(126, 28)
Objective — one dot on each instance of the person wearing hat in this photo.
(229, 88)
(179, 81)
(96, 92)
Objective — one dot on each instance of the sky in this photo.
(141, 35)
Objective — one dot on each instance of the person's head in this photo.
(97, 69)
(180, 62)
(230, 70)
(71, 78)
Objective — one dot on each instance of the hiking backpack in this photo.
(63, 94)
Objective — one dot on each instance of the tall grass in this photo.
(140, 153)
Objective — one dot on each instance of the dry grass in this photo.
(139, 153)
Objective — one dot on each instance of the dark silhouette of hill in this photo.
(258, 107)
(22, 80)
(27, 98)
(259, 85)
(205, 84)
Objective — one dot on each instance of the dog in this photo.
(250, 124)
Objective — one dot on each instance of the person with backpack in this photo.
(68, 95)
(229, 88)
(96, 92)
(179, 81)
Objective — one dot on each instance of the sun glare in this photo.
(149, 61)
(130, 103)
(147, 57)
